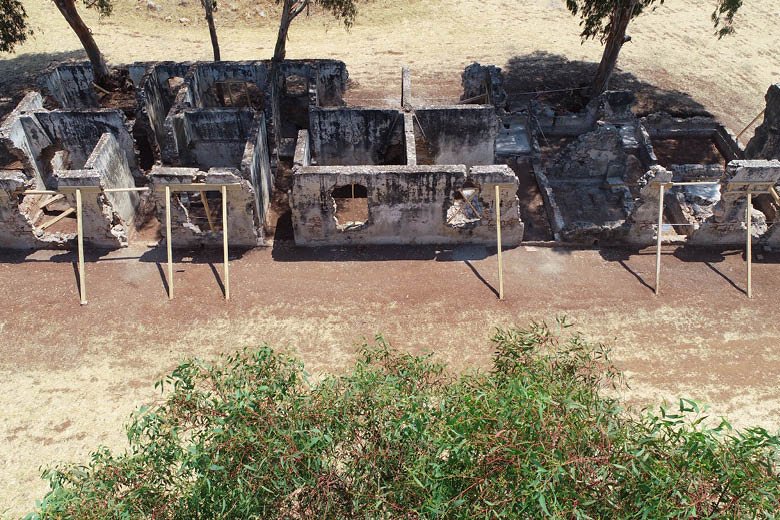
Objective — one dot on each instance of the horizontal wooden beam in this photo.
(202, 186)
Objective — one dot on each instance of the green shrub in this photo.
(398, 437)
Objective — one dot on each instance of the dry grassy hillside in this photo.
(673, 48)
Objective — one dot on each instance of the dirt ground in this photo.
(70, 376)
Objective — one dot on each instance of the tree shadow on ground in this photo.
(707, 256)
(19, 73)
(526, 75)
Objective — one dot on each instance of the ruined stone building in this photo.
(324, 173)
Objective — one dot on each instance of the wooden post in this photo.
(225, 241)
(80, 239)
(658, 239)
(749, 244)
(168, 239)
(498, 240)
(204, 199)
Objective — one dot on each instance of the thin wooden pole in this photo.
(168, 240)
(225, 241)
(204, 199)
(80, 240)
(658, 239)
(749, 244)
(498, 240)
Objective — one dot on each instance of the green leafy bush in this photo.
(536, 437)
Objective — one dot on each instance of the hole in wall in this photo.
(351, 207)
(174, 83)
(237, 94)
(202, 210)
(466, 209)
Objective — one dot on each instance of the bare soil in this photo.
(687, 151)
(70, 375)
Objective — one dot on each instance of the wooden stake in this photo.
(498, 240)
(658, 241)
(168, 240)
(80, 240)
(749, 244)
(225, 241)
(59, 217)
(207, 208)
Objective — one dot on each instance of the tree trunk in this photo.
(615, 40)
(208, 7)
(99, 68)
(280, 51)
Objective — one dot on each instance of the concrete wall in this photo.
(79, 132)
(212, 137)
(106, 216)
(22, 139)
(664, 126)
(16, 230)
(464, 134)
(207, 74)
(70, 84)
(256, 168)
(189, 235)
(108, 159)
(157, 98)
(406, 205)
(349, 137)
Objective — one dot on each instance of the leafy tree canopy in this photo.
(597, 16)
(399, 437)
(13, 25)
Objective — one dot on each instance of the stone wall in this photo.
(256, 168)
(212, 137)
(766, 142)
(462, 134)
(79, 132)
(406, 205)
(107, 217)
(70, 84)
(349, 137)
(16, 229)
(191, 234)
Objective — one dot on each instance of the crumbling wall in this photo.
(111, 162)
(405, 205)
(16, 229)
(348, 137)
(462, 134)
(642, 224)
(484, 84)
(256, 167)
(22, 140)
(212, 137)
(79, 132)
(106, 217)
(205, 76)
(766, 141)
(727, 226)
(589, 185)
(189, 233)
(157, 93)
(70, 84)
(663, 126)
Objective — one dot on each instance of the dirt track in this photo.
(70, 376)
